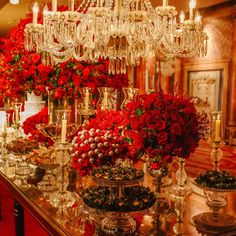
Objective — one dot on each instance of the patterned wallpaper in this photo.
(220, 34)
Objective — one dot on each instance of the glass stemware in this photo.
(106, 98)
(17, 106)
(85, 107)
(160, 178)
(215, 200)
(129, 94)
(16, 115)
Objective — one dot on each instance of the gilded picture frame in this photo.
(216, 75)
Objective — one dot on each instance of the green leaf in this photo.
(128, 127)
(17, 58)
(58, 71)
(139, 112)
(128, 139)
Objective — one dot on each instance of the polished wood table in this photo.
(32, 200)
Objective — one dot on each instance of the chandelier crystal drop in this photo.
(122, 31)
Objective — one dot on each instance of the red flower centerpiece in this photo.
(30, 129)
(67, 78)
(164, 126)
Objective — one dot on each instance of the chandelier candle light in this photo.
(122, 31)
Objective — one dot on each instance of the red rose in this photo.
(77, 80)
(155, 165)
(162, 138)
(160, 125)
(62, 80)
(35, 58)
(59, 93)
(86, 72)
(175, 129)
(168, 158)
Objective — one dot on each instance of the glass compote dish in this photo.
(160, 176)
(117, 196)
(48, 184)
(17, 106)
(19, 148)
(216, 186)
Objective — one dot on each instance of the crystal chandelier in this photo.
(183, 39)
(123, 31)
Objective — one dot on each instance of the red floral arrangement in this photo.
(30, 129)
(93, 148)
(164, 126)
(21, 70)
(68, 77)
(109, 120)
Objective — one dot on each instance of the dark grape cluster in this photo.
(216, 179)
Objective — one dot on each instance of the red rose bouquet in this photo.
(68, 77)
(164, 126)
(21, 70)
(30, 129)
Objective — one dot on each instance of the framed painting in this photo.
(208, 82)
(207, 87)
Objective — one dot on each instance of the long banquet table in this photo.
(45, 214)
